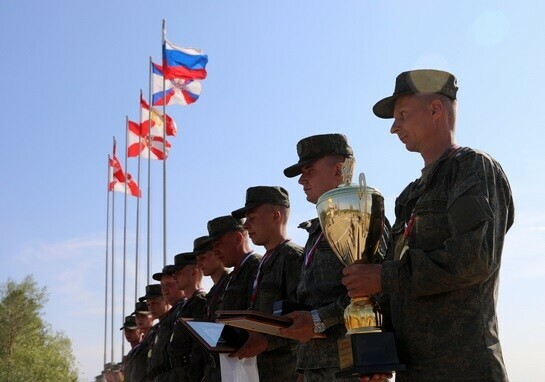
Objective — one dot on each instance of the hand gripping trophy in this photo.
(352, 219)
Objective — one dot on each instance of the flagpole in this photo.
(165, 158)
(113, 273)
(149, 171)
(107, 261)
(136, 255)
(125, 234)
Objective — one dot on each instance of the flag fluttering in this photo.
(144, 146)
(155, 120)
(121, 181)
(186, 63)
(177, 90)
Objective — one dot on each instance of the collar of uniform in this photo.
(449, 153)
(310, 225)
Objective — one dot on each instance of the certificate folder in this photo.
(215, 337)
(255, 321)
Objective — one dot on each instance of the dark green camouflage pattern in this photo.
(239, 285)
(318, 146)
(321, 288)
(278, 280)
(182, 346)
(443, 291)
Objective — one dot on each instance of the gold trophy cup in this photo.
(352, 219)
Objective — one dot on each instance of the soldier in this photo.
(186, 360)
(230, 242)
(320, 166)
(133, 336)
(442, 275)
(137, 359)
(158, 363)
(267, 211)
(211, 265)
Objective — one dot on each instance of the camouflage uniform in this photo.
(239, 284)
(158, 362)
(139, 362)
(187, 362)
(212, 372)
(443, 291)
(321, 288)
(278, 280)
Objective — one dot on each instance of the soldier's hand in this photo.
(256, 344)
(302, 328)
(375, 378)
(362, 279)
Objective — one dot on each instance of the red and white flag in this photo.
(121, 181)
(153, 118)
(143, 146)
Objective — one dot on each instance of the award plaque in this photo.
(352, 220)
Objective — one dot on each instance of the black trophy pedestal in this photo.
(368, 353)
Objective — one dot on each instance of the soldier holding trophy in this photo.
(442, 274)
(320, 166)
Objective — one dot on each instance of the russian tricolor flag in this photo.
(177, 90)
(186, 63)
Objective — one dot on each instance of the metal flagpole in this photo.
(165, 149)
(136, 255)
(113, 273)
(125, 233)
(149, 174)
(107, 261)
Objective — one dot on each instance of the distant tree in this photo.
(30, 349)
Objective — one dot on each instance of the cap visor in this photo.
(385, 107)
(295, 170)
(241, 212)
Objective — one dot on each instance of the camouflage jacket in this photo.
(139, 359)
(278, 280)
(443, 290)
(182, 350)
(239, 285)
(321, 288)
(213, 298)
(158, 358)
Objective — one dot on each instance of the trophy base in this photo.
(368, 353)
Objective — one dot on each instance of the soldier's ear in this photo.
(277, 216)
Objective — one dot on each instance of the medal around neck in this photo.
(352, 220)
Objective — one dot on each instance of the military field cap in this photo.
(259, 195)
(201, 245)
(130, 323)
(183, 259)
(221, 225)
(417, 81)
(167, 270)
(152, 291)
(318, 146)
(140, 307)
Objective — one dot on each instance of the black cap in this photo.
(167, 270)
(183, 259)
(201, 245)
(221, 225)
(130, 323)
(417, 81)
(140, 307)
(318, 146)
(259, 195)
(152, 291)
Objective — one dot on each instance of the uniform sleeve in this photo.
(478, 213)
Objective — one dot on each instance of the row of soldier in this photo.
(437, 283)
(166, 352)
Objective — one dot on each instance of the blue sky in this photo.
(278, 71)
